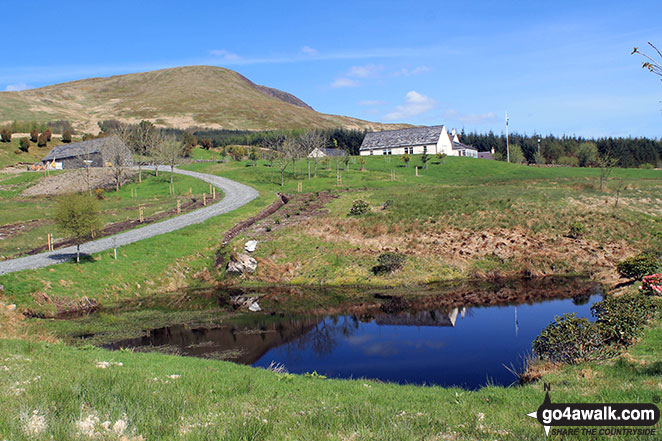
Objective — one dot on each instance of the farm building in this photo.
(416, 140)
(323, 153)
(101, 152)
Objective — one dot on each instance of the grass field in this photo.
(32, 216)
(462, 218)
(11, 155)
(52, 390)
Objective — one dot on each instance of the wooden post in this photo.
(213, 193)
(190, 193)
(209, 188)
(115, 246)
(48, 238)
(204, 199)
(417, 170)
(299, 187)
(140, 214)
(178, 206)
(338, 179)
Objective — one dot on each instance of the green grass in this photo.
(220, 400)
(11, 155)
(153, 195)
(454, 202)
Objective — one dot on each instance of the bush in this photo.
(621, 319)
(34, 135)
(66, 136)
(359, 207)
(569, 161)
(49, 134)
(647, 166)
(569, 339)
(42, 141)
(5, 135)
(99, 193)
(389, 262)
(387, 204)
(652, 284)
(576, 230)
(24, 145)
(638, 266)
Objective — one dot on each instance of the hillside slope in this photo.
(179, 97)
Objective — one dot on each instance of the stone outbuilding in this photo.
(101, 152)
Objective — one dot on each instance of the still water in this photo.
(460, 346)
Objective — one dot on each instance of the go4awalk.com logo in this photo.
(597, 419)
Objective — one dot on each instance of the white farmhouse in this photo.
(414, 141)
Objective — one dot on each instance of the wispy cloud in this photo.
(415, 104)
(344, 82)
(309, 50)
(405, 72)
(371, 103)
(367, 71)
(225, 55)
(471, 118)
(16, 87)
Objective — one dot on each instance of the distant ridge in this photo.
(181, 97)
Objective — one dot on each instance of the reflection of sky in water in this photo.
(470, 354)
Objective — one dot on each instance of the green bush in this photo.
(42, 141)
(570, 340)
(24, 145)
(66, 136)
(647, 166)
(639, 266)
(359, 207)
(5, 135)
(568, 160)
(389, 262)
(621, 319)
(577, 230)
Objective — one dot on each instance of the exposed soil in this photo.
(10, 230)
(75, 181)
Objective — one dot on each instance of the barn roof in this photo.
(75, 149)
(402, 137)
(461, 146)
(335, 152)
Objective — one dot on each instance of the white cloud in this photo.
(405, 72)
(344, 82)
(415, 104)
(309, 50)
(470, 118)
(16, 87)
(371, 103)
(367, 71)
(225, 55)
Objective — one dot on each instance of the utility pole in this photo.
(507, 145)
(538, 158)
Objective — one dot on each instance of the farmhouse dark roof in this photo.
(335, 152)
(402, 137)
(77, 149)
(485, 155)
(460, 146)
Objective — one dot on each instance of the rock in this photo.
(241, 263)
(250, 246)
(2, 287)
(11, 307)
(254, 307)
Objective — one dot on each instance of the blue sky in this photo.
(557, 67)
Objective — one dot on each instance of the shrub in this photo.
(568, 160)
(652, 284)
(49, 134)
(647, 166)
(359, 207)
(34, 135)
(66, 136)
(5, 135)
(638, 266)
(621, 319)
(569, 339)
(99, 193)
(387, 204)
(576, 230)
(24, 145)
(42, 141)
(389, 262)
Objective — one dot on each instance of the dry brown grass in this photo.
(13, 325)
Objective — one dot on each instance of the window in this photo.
(384, 152)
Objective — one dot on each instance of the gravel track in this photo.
(236, 195)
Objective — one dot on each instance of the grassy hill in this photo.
(179, 97)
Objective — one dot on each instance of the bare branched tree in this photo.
(308, 142)
(651, 63)
(168, 152)
(118, 155)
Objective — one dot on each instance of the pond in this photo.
(410, 343)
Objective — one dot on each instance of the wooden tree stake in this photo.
(178, 206)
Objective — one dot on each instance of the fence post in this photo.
(178, 206)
